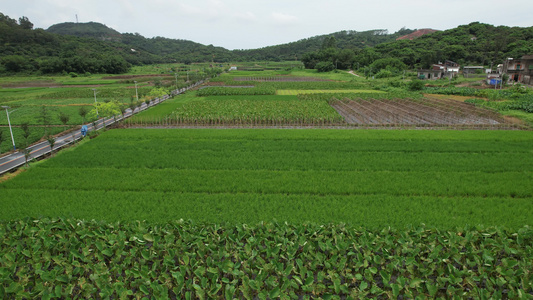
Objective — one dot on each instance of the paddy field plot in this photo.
(361, 177)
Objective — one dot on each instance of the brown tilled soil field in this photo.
(425, 112)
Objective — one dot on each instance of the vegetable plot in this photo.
(425, 112)
(248, 111)
(61, 258)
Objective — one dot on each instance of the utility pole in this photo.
(95, 104)
(136, 94)
(10, 130)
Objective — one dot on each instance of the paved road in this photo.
(17, 159)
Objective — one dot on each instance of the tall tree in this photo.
(64, 118)
(44, 118)
(329, 42)
(52, 141)
(83, 111)
(25, 23)
(2, 138)
(25, 132)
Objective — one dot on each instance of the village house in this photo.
(472, 70)
(448, 69)
(520, 70)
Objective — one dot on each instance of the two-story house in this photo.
(520, 70)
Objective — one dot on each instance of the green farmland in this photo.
(267, 213)
(442, 179)
(264, 213)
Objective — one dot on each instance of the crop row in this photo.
(330, 91)
(317, 85)
(229, 91)
(60, 258)
(112, 93)
(270, 155)
(247, 111)
(279, 78)
(360, 94)
(294, 85)
(420, 112)
(311, 182)
(524, 103)
(389, 177)
(464, 151)
(461, 143)
(368, 211)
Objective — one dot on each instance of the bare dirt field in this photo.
(426, 112)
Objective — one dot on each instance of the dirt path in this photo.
(353, 73)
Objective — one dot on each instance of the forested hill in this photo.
(163, 49)
(24, 49)
(188, 51)
(95, 48)
(91, 29)
(353, 40)
(472, 44)
(475, 43)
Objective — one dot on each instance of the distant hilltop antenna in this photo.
(76, 18)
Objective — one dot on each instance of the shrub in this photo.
(384, 74)
(324, 66)
(415, 85)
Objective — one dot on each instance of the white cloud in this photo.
(284, 19)
(246, 16)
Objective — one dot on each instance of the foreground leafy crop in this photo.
(70, 258)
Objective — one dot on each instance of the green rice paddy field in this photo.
(372, 179)
(272, 213)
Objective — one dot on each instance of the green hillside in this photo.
(91, 29)
(95, 48)
(475, 44)
(188, 51)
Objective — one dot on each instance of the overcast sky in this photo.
(250, 24)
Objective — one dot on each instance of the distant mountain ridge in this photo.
(189, 51)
